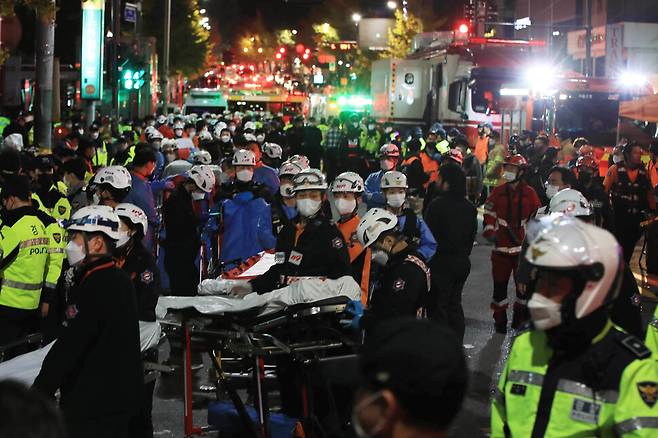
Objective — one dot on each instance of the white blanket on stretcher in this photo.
(26, 367)
(306, 290)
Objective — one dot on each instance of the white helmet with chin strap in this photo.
(116, 176)
(95, 219)
(375, 222)
(203, 177)
(348, 182)
(571, 203)
(394, 180)
(133, 214)
(587, 253)
(201, 157)
(309, 179)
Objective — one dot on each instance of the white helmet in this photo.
(116, 176)
(375, 222)
(347, 182)
(570, 202)
(272, 150)
(201, 157)
(302, 160)
(309, 179)
(569, 245)
(394, 180)
(133, 213)
(153, 134)
(289, 169)
(243, 157)
(203, 177)
(14, 141)
(389, 150)
(178, 125)
(95, 219)
(205, 136)
(250, 125)
(162, 119)
(249, 137)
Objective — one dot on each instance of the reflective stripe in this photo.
(490, 213)
(525, 377)
(489, 227)
(577, 388)
(49, 285)
(653, 323)
(35, 242)
(635, 424)
(521, 301)
(21, 285)
(502, 303)
(502, 222)
(56, 251)
(508, 249)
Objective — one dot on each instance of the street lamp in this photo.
(356, 17)
(391, 5)
(203, 11)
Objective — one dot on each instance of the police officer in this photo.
(311, 246)
(394, 186)
(405, 281)
(575, 373)
(389, 158)
(102, 339)
(347, 189)
(133, 258)
(46, 193)
(24, 245)
(631, 195)
(506, 211)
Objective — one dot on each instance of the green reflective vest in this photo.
(100, 157)
(530, 391)
(60, 211)
(23, 277)
(651, 338)
(57, 243)
(370, 142)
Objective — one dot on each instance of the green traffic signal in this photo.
(132, 79)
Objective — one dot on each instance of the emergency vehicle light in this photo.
(353, 101)
(532, 43)
(632, 79)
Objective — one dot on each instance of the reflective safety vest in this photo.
(60, 211)
(355, 249)
(651, 338)
(100, 157)
(4, 122)
(22, 278)
(57, 243)
(482, 148)
(629, 196)
(370, 142)
(609, 390)
(443, 146)
(430, 166)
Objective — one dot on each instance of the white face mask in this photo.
(551, 190)
(380, 257)
(224, 178)
(308, 207)
(386, 165)
(178, 132)
(396, 200)
(388, 129)
(356, 423)
(356, 125)
(371, 127)
(94, 135)
(191, 133)
(509, 176)
(544, 312)
(74, 253)
(225, 138)
(244, 175)
(231, 128)
(617, 159)
(198, 196)
(260, 138)
(286, 190)
(95, 199)
(345, 206)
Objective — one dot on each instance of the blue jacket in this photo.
(373, 196)
(141, 195)
(247, 228)
(427, 246)
(268, 177)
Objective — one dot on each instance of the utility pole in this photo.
(114, 56)
(587, 10)
(165, 61)
(45, 48)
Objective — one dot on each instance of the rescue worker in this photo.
(181, 229)
(24, 247)
(262, 173)
(370, 137)
(312, 143)
(394, 186)
(347, 190)
(494, 164)
(246, 219)
(103, 329)
(417, 179)
(437, 142)
(74, 178)
(272, 155)
(559, 178)
(351, 154)
(429, 162)
(631, 196)
(452, 220)
(133, 258)
(389, 158)
(312, 246)
(283, 205)
(506, 211)
(589, 184)
(473, 170)
(110, 186)
(124, 153)
(45, 191)
(141, 194)
(295, 137)
(402, 288)
(100, 158)
(575, 373)
(482, 143)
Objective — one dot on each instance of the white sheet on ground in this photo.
(303, 291)
(26, 367)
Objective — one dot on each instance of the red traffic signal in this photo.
(463, 28)
(278, 55)
(282, 50)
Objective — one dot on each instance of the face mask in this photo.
(386, 165)
(191, 133)
(170, 157)
(224, 178)
(94, 135)
(388, 130)
(371, 127)
(286, 190)
(345, 206)
(509, 176)
(95, 199)
(198, 196)
(231, 128)
(178, 132)
(551, 190)
(617, 159)
(225, 138)
(544, 312)
(308, 207)
(260, 138)
(74, 253)
(380, 257)
(244, 175)
(81, 131)
(123, 239)
(396, 200)
(356, 125)
(356, 423)
(156, 145)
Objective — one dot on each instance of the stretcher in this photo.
(304, 321)
(26, 367)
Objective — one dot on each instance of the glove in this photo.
(240, 289)
(354, 309)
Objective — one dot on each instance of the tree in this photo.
(324, 33)
(190, 46)
(401, 35)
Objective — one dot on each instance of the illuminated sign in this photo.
(91, 59)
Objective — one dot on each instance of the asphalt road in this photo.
(485, 349)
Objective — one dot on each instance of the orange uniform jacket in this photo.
(359, 258)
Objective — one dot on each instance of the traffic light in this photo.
(463, 29)
(133, 79)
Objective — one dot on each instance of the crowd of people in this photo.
(116, 215)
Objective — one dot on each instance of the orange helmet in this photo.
(588, 162)
(516, 160)
(456, 155)
(586, 150)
